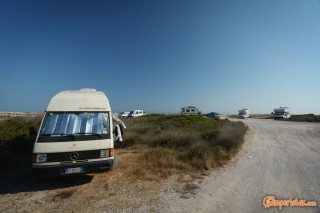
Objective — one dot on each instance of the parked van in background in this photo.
(281, 113)
(76, 134)
(190, 110)
(214, 115)
(136, 113)
(124, 114)
(243, 113)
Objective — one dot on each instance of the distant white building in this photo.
(190, 110)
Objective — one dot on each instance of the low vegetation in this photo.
(306, 117)
(189, 143)
(163, 144)
(303, 117)
(15, 141)
(256, 116)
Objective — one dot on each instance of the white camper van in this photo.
(136, 113)
(190, 110)
(243, 113)
(124, 114)
(281, 112)
(75, 135)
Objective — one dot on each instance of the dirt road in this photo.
(279, 158)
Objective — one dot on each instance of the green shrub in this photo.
(16, 143)
(14, 132)
(231, 136)
(200, 156)
(177, 141)
(133, 140)
(160, 152)
(164, 158)
(185, 121)
(174, 139)
(305, 117)
(166, 141)
(199, 151)
(153, 115)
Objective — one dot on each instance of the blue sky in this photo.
(161, 55)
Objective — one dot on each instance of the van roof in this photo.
(79, 100)
(189, 107)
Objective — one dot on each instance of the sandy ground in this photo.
(279, 158)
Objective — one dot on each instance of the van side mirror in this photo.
(118, 133)
(32, 131)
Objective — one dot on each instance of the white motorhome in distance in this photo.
(281, 112)
(243, 113)
(124, 114)
(190, 110)
(136, 113)
(75, 135)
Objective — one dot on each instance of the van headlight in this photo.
(41, 158)
(104, 153)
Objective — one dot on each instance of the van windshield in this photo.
(71, 126)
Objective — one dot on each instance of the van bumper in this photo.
(87, 167)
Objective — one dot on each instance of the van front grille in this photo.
(67, 157)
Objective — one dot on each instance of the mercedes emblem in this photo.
(74, 156)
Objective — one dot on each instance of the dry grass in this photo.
(175, 144)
